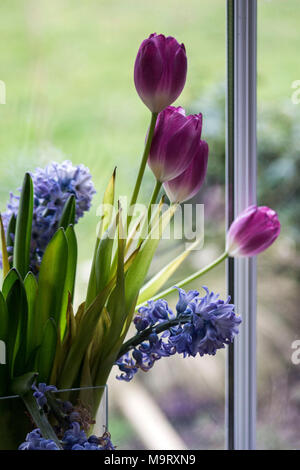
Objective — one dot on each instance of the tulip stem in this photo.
(147, 222)
(153, 199)
(142, 165)
(189, 279)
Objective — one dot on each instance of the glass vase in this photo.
(16, 422)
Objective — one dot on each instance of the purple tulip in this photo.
(160, 71)
(175, 143)
(186, 185)
(253, 231)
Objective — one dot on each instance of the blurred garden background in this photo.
(68, 70)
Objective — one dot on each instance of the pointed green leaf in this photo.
(116, 302)
(72, 260)
(71, 328)
(51, 284)
(3, 318)
(68, 214)
(23, 228)
(70, 275)
(98, 340)
(5, 262)
(31, 288)
(47, 350)
(139, 268)
(108, 202)
(106, 217)
(154, 285)
(132, 235)
(80, 313)
(17, 326)
(84, 337)
(8, 282)
(103, 257)
(11, 230)
(4, 379)
(58, 360)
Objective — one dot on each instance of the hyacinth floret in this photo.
(40, 391)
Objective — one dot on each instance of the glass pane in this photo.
(68, 69)
(278, 184)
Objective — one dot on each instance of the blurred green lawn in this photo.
(68, 69)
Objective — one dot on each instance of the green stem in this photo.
(142, 165)
(143, 335)
(146, 225)
(189, 279)
(153, 199)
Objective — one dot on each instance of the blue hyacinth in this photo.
(74, 439)
(53, 186)
(35, 441)
(201, 325)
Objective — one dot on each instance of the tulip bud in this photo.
(253, 231)
(175, 143)
(186, 185)
(160, 71)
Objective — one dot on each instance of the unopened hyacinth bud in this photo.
(175, 143)
(187, 185)
(253, 231)
(160, 71)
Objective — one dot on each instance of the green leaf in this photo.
(46, 353)
(5, 261)
(113, 325)
(80, 314)
(11, 230)
(71, 328)
(31, 288)
(104, 223)
(86, 376)
(139, 268)
(51, 284)
(68, 214)
(103, 257)
(135, 229)
(70, 276)
(108, 202)
(154, 285)
(8, 282)
(17, 326)
(23, 228)
(107, 361)
(84, 337)
(72, 260)
(62, 348)
(3, 319)
(97, 343)
(116, 302)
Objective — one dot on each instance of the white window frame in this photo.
(241, 157)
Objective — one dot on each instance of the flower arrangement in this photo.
(46, 342)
